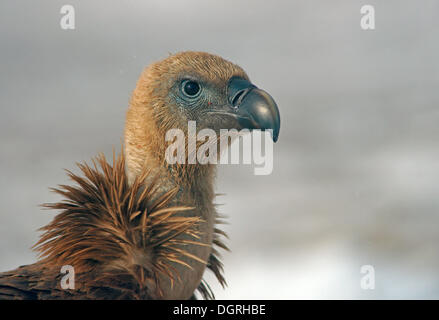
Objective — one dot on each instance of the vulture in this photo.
(140, 227)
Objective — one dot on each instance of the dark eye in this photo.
(190, 88)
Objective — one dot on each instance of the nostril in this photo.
(238, 97)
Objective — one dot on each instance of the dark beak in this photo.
(254, 108)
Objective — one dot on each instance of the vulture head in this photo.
(192, 86)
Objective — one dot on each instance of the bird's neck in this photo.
(145, 149)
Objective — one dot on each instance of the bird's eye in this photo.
(190, 88)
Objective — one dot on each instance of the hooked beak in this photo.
(254, 108)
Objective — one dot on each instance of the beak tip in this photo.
(275, 134)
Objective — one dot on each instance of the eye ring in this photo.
(190, 88)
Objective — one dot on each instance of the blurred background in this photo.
(356, 170)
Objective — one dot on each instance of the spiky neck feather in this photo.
(121, 238)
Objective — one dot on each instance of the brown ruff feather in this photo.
(115, 237)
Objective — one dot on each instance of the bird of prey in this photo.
(141, 227)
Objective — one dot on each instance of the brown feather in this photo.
(115, 237)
